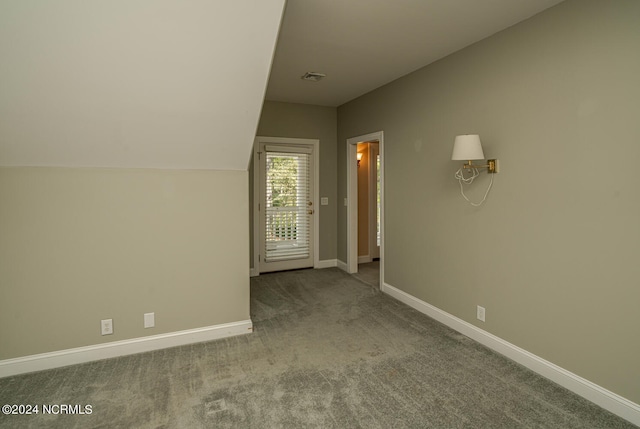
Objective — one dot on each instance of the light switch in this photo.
(324, 201)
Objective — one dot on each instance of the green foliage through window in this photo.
(282, 195)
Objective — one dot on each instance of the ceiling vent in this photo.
(312, 76)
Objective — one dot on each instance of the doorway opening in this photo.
(365, 205)
(368, 155)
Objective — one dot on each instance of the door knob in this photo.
(310, 212)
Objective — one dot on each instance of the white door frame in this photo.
(255, 271)
(352, 200)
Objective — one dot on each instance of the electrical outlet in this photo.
(149, 320)
(324, 201)
(106, 326)
(480, 313)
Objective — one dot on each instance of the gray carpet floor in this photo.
(369, 273)
(328, 351)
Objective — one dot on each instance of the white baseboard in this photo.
(39, 362)
(327, 263)
(254, 272)
(342, 266)
(606, 399)
(364, 259)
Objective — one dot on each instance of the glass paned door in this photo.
(286, 208)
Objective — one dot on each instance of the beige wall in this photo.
(81, 245)
(553, 254)
(310, 122)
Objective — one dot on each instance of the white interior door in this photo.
(286, 207)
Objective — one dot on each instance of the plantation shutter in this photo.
(287, 220)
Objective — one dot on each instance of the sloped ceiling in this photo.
(133, 83)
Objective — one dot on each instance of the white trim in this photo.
(327, 263)
(352, 205)
(256, 200)
(342, 265)
(351, 265)
(254, 272)
(364, 259)
(39, 362)
(382, 179)
(606, 399)
(256, 195)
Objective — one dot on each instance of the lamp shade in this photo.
(467, 147)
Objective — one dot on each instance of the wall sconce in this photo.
(468, 148)
(359, 158)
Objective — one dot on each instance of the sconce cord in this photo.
(469, 180)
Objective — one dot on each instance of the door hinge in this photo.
(258, 258)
